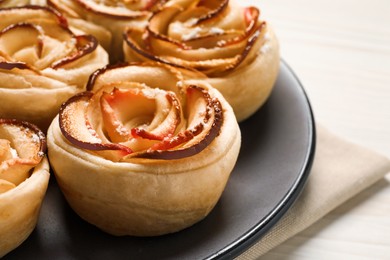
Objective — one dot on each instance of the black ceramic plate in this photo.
(275, 160)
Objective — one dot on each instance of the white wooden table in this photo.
(340, 50)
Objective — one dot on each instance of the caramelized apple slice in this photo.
(6, 65)
(130, 117)
(22, 147)
(204, 120)
(137, 117)
(47, 40)
(32, 40)
(135, 121)
(213, 38)
(75, 126)
(166, 122)
(85, 44)
(122, 10)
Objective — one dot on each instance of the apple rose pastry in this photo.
(138, 160)
(24, 176)
(230, 44)
(42, 63)
(114, 16)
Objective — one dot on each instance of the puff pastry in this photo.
(24, 176)
(149, 152)
(114, 16)
(230, 44)
(47, 67)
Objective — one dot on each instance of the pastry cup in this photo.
(230, 44)
(23, 182)
(147, 192)
(20, 208)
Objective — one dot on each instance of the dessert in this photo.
(232, 45)
(24, 176)
(45, 68)
(146, 152)
(114, 16)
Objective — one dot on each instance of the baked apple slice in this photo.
(141, 122)
(113, 16)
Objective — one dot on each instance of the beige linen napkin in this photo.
(340, 171)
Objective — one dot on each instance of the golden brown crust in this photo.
(248, 88)
(20, 208)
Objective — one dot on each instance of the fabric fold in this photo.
(340, 171)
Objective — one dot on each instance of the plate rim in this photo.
(249, 238)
